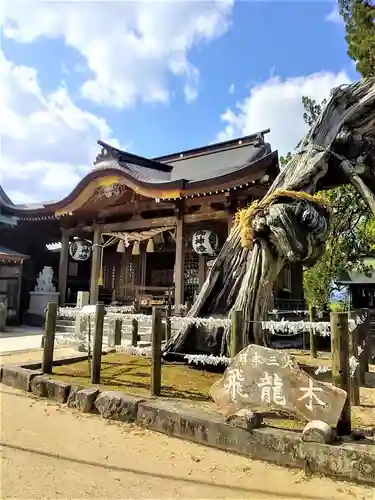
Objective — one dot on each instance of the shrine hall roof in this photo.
(216, 166)
(8, 255)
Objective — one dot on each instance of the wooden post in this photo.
(63, 266)
(49, 337)
(313, 350)
(95, 266)
(136, 306)
(235, 333)
(118, 331)
(168, 324)
(366, 341)
(180, 261)
(362, 344)
(97, 344)
(156, 337)
(134, 332)
(340, 365)
(354, 374)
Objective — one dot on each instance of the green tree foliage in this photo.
(351, 237)
(352, 227)
(359, 18)
(284, 160)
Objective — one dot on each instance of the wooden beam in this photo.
(202, 216)
(130, 208)
(133, 225)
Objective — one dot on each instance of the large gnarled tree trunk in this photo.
(340, 148)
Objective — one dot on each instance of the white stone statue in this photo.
(44, 281)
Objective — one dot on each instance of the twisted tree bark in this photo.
(340, 148)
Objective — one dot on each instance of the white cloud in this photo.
(231, 89)
(47, 142)
(276, 104)
(334, 16)
(130, 48)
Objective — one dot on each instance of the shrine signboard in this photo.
(262, 378)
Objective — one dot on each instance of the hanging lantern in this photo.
(136, 248)
(80, 250)
(205, 242)
(150, 246)
(121, 247)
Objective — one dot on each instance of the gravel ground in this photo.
(49, 452)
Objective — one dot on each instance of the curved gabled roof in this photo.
(4, 198)
(216, 167)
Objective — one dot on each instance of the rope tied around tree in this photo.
(245, 216)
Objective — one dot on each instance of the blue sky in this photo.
(254, 60)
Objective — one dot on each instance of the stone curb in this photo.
(68, 360)
(18, 377)
(282, 447)
(349, 461)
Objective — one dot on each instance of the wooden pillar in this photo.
(63, 266)
(95, 266)
(180, 261)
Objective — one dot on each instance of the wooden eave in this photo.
(7, 255)
(160, 191)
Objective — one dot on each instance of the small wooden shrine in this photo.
(11, 264)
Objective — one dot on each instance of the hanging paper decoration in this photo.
(100, 281)
(205, 242)
(204, 359)
(150, 246)
(136, 248)
(121, 247)
(80, 250)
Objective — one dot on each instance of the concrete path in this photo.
(49, 452)
(20, 338)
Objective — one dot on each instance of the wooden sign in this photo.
(262, 378)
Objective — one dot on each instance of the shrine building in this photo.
(142, 229)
